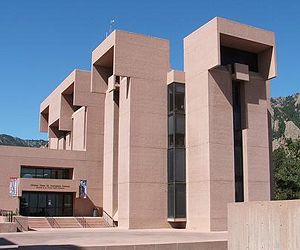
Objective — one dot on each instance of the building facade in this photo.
(148, 146)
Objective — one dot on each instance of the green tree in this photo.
(286, 161)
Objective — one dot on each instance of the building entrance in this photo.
(46, 204)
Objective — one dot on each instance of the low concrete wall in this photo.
(7, 227)
(264, 225)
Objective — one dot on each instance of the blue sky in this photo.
(42, 41)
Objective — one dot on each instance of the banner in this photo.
(13, 186)
(83, 189)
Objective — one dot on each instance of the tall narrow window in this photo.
(176, 151)
(238, 141)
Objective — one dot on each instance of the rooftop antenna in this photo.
(111, 26)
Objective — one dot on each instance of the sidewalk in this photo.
(119, 238)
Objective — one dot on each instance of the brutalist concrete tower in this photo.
(227, 67)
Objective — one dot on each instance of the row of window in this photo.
(46, 173)
(176, 130)
(176, 151)
(176, 98)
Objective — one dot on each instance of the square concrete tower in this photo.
(227, 67)
(130, 71)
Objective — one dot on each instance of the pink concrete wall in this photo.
(110, 164)
(142, 172)
(256, 140)
(221, 172)
(12, 158)
(264, 225)
(124, 153)
(79, 129)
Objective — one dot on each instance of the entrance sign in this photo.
(13, 186)
(83, 189)
(50, 187)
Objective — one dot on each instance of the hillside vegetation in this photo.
(286, 146)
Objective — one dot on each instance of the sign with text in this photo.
(50, 186)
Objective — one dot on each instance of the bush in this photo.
(286, 161)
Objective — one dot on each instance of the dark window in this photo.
(46, 204)
(238, 142)
(231, 56)
(46, 173)
(180, 140)
(171, 130)
(170, 98)
(170, 165)
(179, 98)
(180, 130)
(180, 124)
(180, 200)
(171, 200)
(179, 165)
(176, 151)
(39, 173)
(28, 173)
(55, 175)
(66, 174)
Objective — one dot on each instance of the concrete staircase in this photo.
(95, 222)
(38, 222)
(67, 222)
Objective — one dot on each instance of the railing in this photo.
(8, 214)
(20, 227)
(82, 221)
(53, 223)
(109, 221)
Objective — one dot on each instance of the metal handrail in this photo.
(18, 222)
(108, 219)
(83, 222)
(53, 223)
(8, 214)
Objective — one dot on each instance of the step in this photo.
(38, 222)
(95, 222)
(67, 222)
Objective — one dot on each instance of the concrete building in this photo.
(157, 148)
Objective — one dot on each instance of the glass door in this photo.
(46, 204)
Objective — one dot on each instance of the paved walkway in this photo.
(107, 237)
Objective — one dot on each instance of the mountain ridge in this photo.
(8, 140)
(285, 119)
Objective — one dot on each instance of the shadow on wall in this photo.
(85, 207)
(224, 87)
(257, 86)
